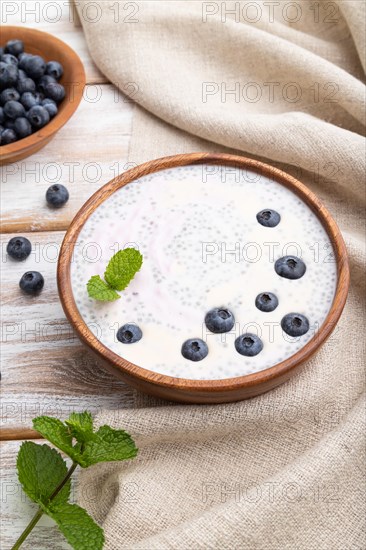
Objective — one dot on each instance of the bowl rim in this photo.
(22, 145)
(184, 384)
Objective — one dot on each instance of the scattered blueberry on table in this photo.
(194, 349)
(57, 195)
(129, 334)
(31, 282)
(19, 248)
(30, 92)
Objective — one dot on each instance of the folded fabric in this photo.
(281, 81)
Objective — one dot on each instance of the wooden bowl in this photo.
(202, 391)
(73, 79)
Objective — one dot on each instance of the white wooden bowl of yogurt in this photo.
(245, 275)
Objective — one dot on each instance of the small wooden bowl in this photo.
(202, 391)
(73, 79)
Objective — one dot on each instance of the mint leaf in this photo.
(122, 268)
(80, 425)
(108, 445)
(104, 445)
(99, 290)
(79, 529)
(40, 470)
(55, 431)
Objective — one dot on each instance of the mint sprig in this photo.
(120, 271)
(45, 478)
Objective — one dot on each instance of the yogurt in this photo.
(202, 248)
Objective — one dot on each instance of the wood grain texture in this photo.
(202, 391)
(45, 368)
(86, 153)
(58, 18)
(17, 509)
(73, 80)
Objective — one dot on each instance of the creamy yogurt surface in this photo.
(202, 248)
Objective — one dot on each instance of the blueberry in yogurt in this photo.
(268, 218)
(129, 334)
(194, 349)
(219, 320)
(266, 301)
(295, 324)
(248, 345)
(290, 267)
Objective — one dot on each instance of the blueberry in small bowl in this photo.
(36, 70)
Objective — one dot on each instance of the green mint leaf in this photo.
(104, 445)
(99, 290)
(40, 470)
(79, 529)
(80, 425)
(59, 434)
(108, 445)
(122, 268)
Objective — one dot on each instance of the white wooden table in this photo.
(44, 367)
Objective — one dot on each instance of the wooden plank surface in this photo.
(17, 509)
(45, 369)
(86, 153)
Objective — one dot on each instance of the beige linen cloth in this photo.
(284, 470)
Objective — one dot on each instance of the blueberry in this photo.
(39, 97)
(194, 349)
(43, 81)
(9, 94)
(2, 116)
(38, 116)
(26, 85)
(8, 75)
(55, 69)
(129, 334)
(14, 109)
(15, 47)
(219, 320)
(19, 248)
(50, 106)
(9, 59)
(55, 91)
(295, 324)
(248, 345)
(34, 66)
(31, 282)
(266, 301)
(290, 267)
(22, 127)
(1, 52)
(29, 100)
(8, 136)
(268, 218)
(9, 124)
(57, 195)
(22, 58)
(22, 75)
